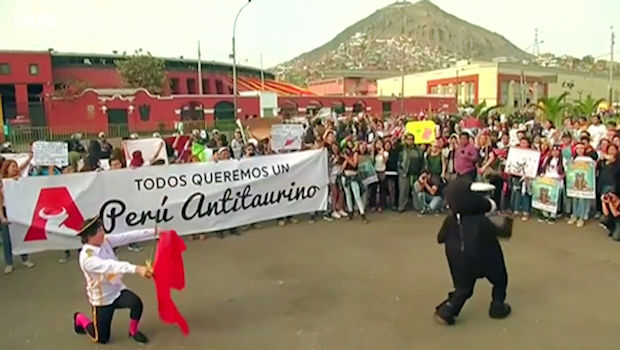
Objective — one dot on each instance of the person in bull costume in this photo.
(472, 248)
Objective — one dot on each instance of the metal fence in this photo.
(22, 136)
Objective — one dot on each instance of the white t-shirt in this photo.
(552, 169)
(381, 160)
(597, 133)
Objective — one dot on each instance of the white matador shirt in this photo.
(103, 271)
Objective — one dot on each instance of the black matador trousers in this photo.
(99, 330)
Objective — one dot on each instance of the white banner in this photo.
(46, 212)
(287, 137)
(50, 153)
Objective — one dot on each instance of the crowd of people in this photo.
(405, 175)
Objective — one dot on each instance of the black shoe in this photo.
(76, 328)
(350, 216)
(443, 314)
(364, 220)
(450, 296)
(499, 310)
(139, 337)
(234, 231)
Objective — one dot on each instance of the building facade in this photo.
(504, 83)
(344, 86)
(66, 93)
(29, 79)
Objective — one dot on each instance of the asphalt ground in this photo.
(340, 285)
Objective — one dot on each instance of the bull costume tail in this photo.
(472, 251)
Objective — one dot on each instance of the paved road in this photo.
(342, 286)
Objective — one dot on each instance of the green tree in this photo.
(589, 60)
(481, 111)
(588, 106)
(553, 107)
(142, 70)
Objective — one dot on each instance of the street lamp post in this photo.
(234, 58)
(611, 69)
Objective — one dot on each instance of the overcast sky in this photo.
(280, 29)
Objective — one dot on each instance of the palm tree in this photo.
(481, 111)
(553, 107)
(588, 106)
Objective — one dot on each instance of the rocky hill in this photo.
(419, 35)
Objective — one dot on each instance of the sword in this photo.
(149, 262)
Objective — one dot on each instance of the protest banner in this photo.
(580, 179)
(423, 131)
(287, 137)
(144, 151)
(50, 153)
(522, 162)
(46, 212)
(546, 194)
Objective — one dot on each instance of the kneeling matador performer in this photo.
(104, 286)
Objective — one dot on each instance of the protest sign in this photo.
(50, 153)
(580, 179)
(423, 131)
(287, 137)
(143, 152)
(260, 128)
(546, 194)
(367, 173)
(46, 212)
(522, 162)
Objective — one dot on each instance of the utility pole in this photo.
(522, 87)
(402, 90)
(611, 69)
(536, 46)
(234, 58)
(199, 71)
(456, 90)
(402, 76)
(262, 73)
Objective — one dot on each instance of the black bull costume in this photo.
(472, 250)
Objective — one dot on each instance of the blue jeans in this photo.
(6, 243)
(567, 204)
(521, 202)
(581, 208)
(428, 202)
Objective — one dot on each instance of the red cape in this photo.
(169, 273)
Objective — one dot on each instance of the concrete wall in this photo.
(327, 87)
(490, 76)
(487, 85)
(20, 77)
(418, 83)
(584, 85)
